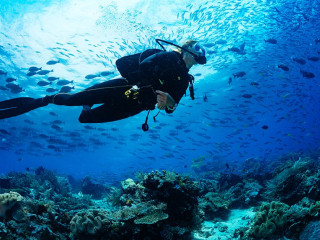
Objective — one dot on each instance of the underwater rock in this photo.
(311, 231)
(214, 205)
(95, 189)
(58, 185)
(5, 182)
(128, 185)
(291, 183)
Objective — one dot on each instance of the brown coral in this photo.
(88, 222)
(7, 201)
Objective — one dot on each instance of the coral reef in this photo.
(96, 190)
(311, 231)
(293, 180)
(88, 223)
(7, 201)
(160, 205)
(269, 220)
(214, 205)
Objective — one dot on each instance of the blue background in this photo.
(87, 37)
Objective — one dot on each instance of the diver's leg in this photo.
(98, 93)
(109, 112)
(18, 106)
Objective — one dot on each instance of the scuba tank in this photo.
(128, 66)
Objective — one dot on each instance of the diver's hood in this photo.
(197, 51)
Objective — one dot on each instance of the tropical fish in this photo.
(28, 121)
(63, 82)
(314, 59)
(52, 62)
(209, 51)
(247, 95)
(299, 60)
(208, 45)
(307, 74)
(265, 127)
(52, 78)
(205, 98)
(65, 89)
(238, 74)
(254, 84)
(221, 41)
(230, 80)
(44, 72)
(234, 49)
(56, 127)
(242, 46)
(3, 131)
(53, 114)
(3, 73)
(277, 10)
(106, 73)
(91, 76)
(10, 79)
(3, 88)
(29, 74)
(14, 88)
(34, 69)
(271, 40)
(57, 122)
(283, 67)
(43, 83)
(50, 90)
(88, 127)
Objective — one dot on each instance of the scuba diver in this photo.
(153, 77)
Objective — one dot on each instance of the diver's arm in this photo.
(165, 101)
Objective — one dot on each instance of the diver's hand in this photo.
(164, 100)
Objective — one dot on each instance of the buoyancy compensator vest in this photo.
(128, 66)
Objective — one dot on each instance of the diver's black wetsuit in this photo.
(165, 71)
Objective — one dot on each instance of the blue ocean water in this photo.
(253, 118)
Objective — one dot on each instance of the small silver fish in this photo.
(63, 82)
(34, 69)
(43, 83)
(44, 72)
(52, 62)
(52, 78)
(10, 79)
(91, 76)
